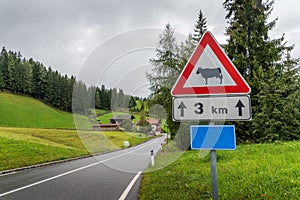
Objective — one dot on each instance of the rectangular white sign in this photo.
(212, 108)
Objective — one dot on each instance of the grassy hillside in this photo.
(32, 132)
(259, 171)
(21, 147)
(21, 111)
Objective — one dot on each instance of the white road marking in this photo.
(8, 174)
(69, 172)
(127, 190)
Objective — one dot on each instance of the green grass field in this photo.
(21, 111)
(105, 119)
(258, 171)
(21, 147)
(32, 133)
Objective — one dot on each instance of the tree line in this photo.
(29, 77)
(266, 64)
(85, 98)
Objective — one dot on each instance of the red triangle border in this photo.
(241, 86)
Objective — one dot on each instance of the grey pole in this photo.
(214, 175)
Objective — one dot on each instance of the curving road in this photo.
(110, 176)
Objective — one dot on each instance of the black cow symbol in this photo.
(210, 73)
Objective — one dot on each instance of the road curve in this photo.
(109, 176)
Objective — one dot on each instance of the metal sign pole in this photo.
(214, 175)
(213, 167)
(214, 102)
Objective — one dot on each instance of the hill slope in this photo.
(21, 111)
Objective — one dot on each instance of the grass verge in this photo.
(259, 171)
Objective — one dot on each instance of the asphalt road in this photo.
(110, 176)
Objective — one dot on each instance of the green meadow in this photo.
(21, 111)
(105, 119)
(21, 147)
(257, 171)
(32, 132)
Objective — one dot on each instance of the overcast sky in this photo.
(64, 34)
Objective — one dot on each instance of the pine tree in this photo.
(91, 96)
(185, 50)
(200, 27)
(25, 77)
(279, 113)
(49, 92)
(103, 97)
(169, 62)
(166, 63)
(2, 80)
(39, 73)
(132, 102)
(80, 102)
(167, 67)
(64, 92)
(121, 99)
(70, 83)
(97, 98)
(57, 90)
(3, 68)
(114, 99)
(259, 60)
(11, 72)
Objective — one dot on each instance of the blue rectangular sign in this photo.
(213, 137)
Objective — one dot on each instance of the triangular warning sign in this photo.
(209, 72)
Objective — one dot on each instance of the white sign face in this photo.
(209, 65)
(214, 108)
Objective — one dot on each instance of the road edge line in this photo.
(9, 171)
(68, 172)
(128, 188)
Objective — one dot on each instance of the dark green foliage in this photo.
(279, 116)
(249, 45)
(11, 68)
(3, 68)
(105, 98)
(80, 101)
(25, 77)
(268, 68)
(39, 73)
(132, 102)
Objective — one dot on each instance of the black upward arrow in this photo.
(240, 105)
(181, 107)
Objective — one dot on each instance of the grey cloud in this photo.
(63, 33)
